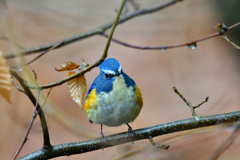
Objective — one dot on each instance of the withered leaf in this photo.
(67, 66)
(77, 88)
(5, 81)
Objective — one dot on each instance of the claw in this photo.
(131, 133)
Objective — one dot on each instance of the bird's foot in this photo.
(131, 132)
(103, 139)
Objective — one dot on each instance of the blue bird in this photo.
(113, 99)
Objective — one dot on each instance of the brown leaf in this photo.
(77, 88)
(5, 81)
(67, 66)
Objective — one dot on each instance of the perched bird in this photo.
(113, 99)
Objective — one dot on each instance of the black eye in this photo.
(106, 75)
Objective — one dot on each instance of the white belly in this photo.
(116, 107)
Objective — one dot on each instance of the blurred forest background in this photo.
(212, 69)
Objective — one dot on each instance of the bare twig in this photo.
(43, 53)
(45, 100)
(93, 32)
(191, 44)
(206, 99)
(117, 139)
(226, 144)
(17, 86)
(104, 55)
(33, 117)
(192, 108)
(26, 135)
(8, 39)
(46, 139)
(157, 146)
(231, 42)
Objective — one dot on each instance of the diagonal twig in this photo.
(192, 108)
(191, 44)
(43, 53)
(104, 55)
(93, 32)
(32, 120)
(158, 146)
(28, 92)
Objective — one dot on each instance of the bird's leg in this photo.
(102, 137)
(130, 131)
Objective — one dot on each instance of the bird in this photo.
(113, 98)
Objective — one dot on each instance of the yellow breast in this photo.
(91, 101)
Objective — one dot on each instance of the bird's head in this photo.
(110, 68)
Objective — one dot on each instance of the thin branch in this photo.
(8, 39)
(191, 44)
(226, 144)
(17, 86)
(45, 100)
(93, 32)
(43, 53)
(46, 139)
(68, 149)
(206, 99)
(231, 42)
(33, 118)
(104, 55)
(192, 108)
(157, 146)
(26, 135)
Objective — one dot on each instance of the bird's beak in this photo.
(117, 73)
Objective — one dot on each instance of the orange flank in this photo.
(139, 97)
(91, 100)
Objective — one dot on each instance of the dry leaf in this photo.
(5, 81)
(67, 66)
(77, 88)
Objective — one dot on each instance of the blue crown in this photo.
(110, 66)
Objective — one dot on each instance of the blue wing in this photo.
(92, 86)
(128, 80)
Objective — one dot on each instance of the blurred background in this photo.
(212, 69)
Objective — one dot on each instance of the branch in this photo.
(91, 33)
(104, 55)
(33, 118)
(43, 53)
(231, 42)
(68, 149)
(192, 108)
(28, 92)
(191, 44)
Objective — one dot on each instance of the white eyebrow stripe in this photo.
(108, 71)
(120, 69)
